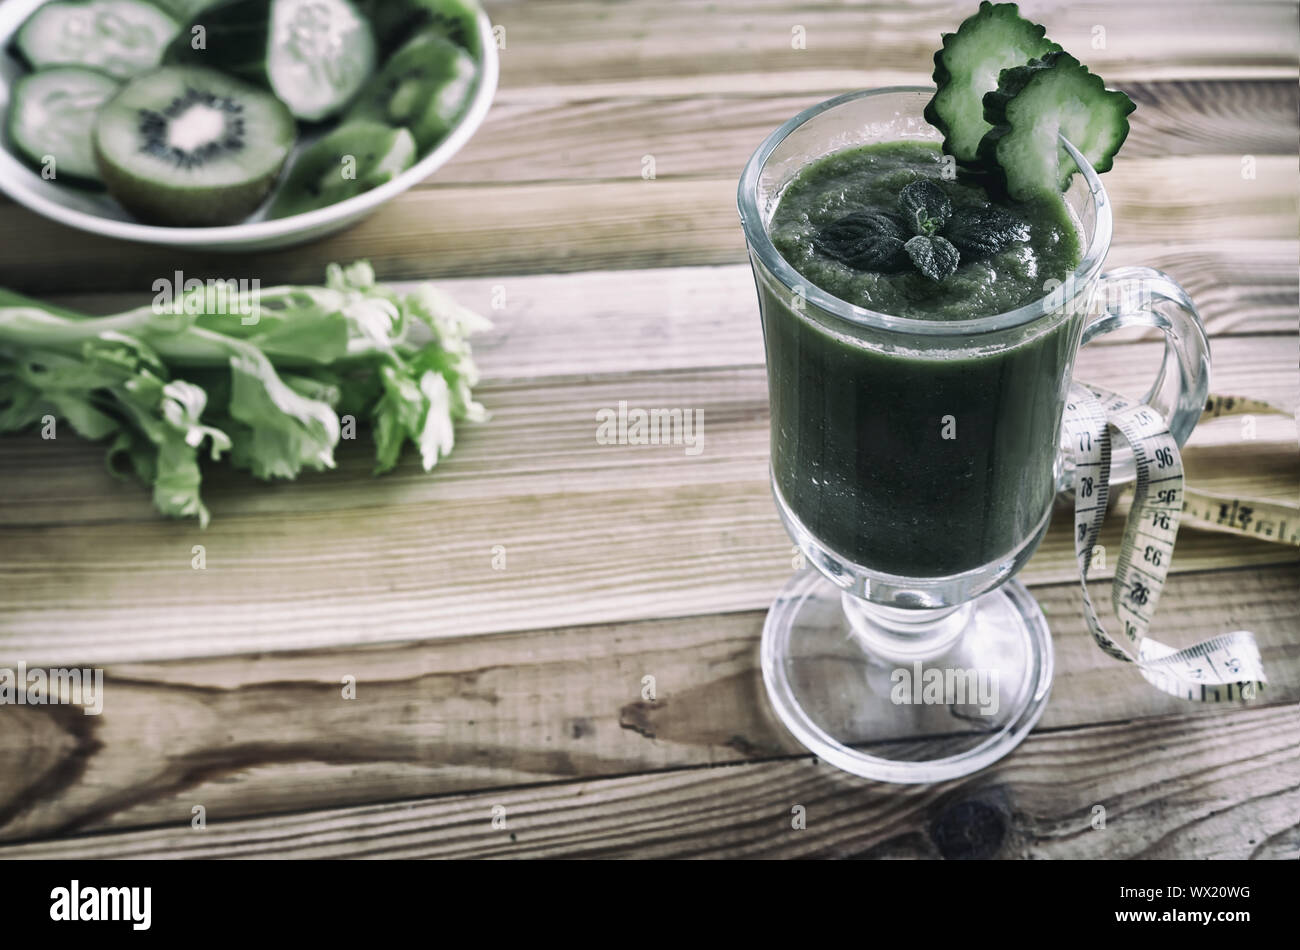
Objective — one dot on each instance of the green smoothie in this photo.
(917, 464)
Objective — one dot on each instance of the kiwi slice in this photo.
(350, 160)
(396, 21)
(183, 9)
(425, 87)
(190, 147)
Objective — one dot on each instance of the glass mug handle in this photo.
(1146, 297)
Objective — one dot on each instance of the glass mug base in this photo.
(887, 716)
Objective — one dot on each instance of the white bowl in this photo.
(96, 212)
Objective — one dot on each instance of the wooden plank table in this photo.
(517, 683)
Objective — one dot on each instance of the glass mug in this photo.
(915, 464)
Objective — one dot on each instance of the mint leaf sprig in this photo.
(924, 231)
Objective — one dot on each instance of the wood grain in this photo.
(707, 317)
(605, 137)
(541, 440)
(546, 428)
(424, 570)
(592, 533)
(251, 734)
(521, 687)
(700, 46)
(1217, 787)
(443, 232)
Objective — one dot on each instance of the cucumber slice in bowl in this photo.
(120, 37)
(322, 52)
(968, 66)
(1032, 104)
(313, 54)
(52, 116)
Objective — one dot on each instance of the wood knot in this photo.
(969, 830)
(636, 717)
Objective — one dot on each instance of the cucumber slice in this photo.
(119, 37)
(313, 54)
(322, 52)
(995, 38)
(1032, 104)
(52, 116)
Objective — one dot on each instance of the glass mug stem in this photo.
(904, 634)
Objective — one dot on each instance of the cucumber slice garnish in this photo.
(52, 116)
(1032, 104)
(995, 38)
(119, 37)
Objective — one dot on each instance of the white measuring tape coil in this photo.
(1221, 669)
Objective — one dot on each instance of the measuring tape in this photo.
(1266, 519)
(1226, 667)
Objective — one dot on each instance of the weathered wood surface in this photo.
(1169, 788)
(520, 686)
(589, 532)
(243, 735)
(616, 224)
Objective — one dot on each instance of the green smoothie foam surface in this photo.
(869, 178)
